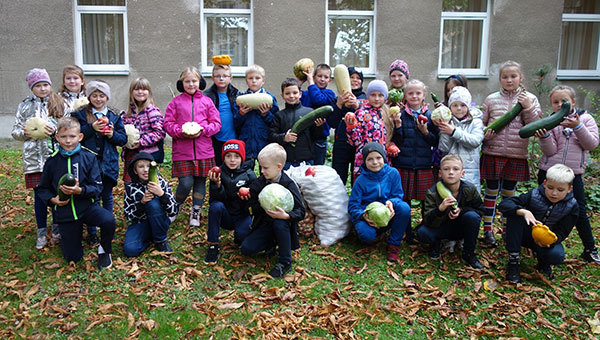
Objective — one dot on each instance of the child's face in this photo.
(414, 95)
(98, 100)
(398, 79)
(254, 81)
(355, 81)
(140, 94)
(73, 82)
(556, 191)
(510, 78)
(374, 161)
(557, 98)
(459, 109)
(42, 89)
(376, 99)
(142, 168)
(191, 83)
(451, 172)
(69, 138)
(232, 160)
(451, 84)
(221, 78)
(322, 78)
(270, 169)
(291, 94)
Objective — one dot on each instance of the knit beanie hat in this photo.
(460, 94)
(97, 85)
(235, 145)
(401, 66)
(379, 86)
(373, 147)
(36, 75)
(352, 70)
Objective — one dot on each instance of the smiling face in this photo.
(254, 81)
(232, 160)
(42, 89)
(459, 109)
(374, 161)
(191, 83)
(322, 78)
(355, 81)
(142, 169)
(414, 95)
(556, 191)
(291, 94)
(451, 171)
(68, 138)
(98, 100)
(398, 79)
(510, 78)
(73, 82)
(140, 94)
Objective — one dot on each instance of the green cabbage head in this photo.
(378, 213)
(276, 195)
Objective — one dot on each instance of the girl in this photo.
(46, 105)
(73, 87)
(398, 74)
(504, 153)
(569, 144)
(193, 155)
(147, 119)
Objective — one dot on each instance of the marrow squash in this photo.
(153, 172)
(254, 99)
(342, 78)
(505, 119)
(309, 119)
(444, 192)
(547, 123)
(68, 180)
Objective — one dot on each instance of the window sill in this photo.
(469, 76)
(575, 77)
(106, 72)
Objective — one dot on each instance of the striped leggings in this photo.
(507, 189)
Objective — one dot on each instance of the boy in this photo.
(317, 95)
(379, 182)
(274, 228)
(252, 126)
(229, 198)
(223, 95)
(442, 221)
(81, 206)
(149, 207)
(304, 150)
(552, 204)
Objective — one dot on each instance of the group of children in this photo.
(394, 155)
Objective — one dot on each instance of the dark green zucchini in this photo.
(505, 119)
(547, 123)
(434, 98)
(68, 180)
(309, 119)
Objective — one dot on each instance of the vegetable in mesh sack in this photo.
(378, 213)
(276, 195)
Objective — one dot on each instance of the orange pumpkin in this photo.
(222, 59)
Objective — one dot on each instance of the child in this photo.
(148, 207)
(102, 132)
(504, 153)
(252, 126)
(193, 155)
(42, 103)
(441, 221)
(378, 182)
(81, 206)
(223, 95)
(274, 228)
(372, 124)
(148, 120)
(399, 74)
(299, 148)
(551, 204)
(228, 207)
(73, 87)
(570, 144)
(463, 134)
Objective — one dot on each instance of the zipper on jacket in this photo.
(567, 135)
(72, 203)
(193, 140)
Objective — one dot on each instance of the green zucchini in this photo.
(153, 172)
(309, 119)
(434, 98)
(547, 123)
(444, 192)
(68, 180)
(505, 119)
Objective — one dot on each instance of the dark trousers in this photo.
(40, 210)
(518, 233)
(71, 233)
(153, 229)
(107, 200)
(320, 151)
(342, 158)
(466, 227)
(219, 217)
(266, 236)
(218, 147)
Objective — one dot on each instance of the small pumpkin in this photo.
(222, 59)
(543, 235)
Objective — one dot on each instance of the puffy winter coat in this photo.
(415, 148)
(253, 127)
(231, 182)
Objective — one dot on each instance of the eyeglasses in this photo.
(221, 77)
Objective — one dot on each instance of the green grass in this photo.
(343, 291)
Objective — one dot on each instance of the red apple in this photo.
(310, 171)
(106, 129)
(422, 118)
(352, 117)
(216, 170)
(393, 149)
(244, 192)
(103, 120)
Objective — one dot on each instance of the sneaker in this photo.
(195, 216)
(590, 256)
(472, 261)
(41, 241)
(280, 270)
(92, 239)
(55, 234)
(392, 252)
(545, 269)
(489, 239)
(212, 254)
(449, 244)
(104, 261)
(177, 209)
(163, 247)
(434, 251)
(513, 271)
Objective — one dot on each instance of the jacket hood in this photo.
(141, 155)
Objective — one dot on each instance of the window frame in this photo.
(238, 71)
(578, 74)
(108, 69)
(484, 17)
(371, 70)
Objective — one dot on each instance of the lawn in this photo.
(345, 291)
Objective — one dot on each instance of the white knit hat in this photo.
(460, 94)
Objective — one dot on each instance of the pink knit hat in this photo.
(37, 75)
(401, 66)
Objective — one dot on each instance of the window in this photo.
(350, 37)
(227, 29)
(101, 36)
(578, 52)
(464, 35)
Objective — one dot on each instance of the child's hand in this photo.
(525, 102)
(71, 190)
(489, 134)
(309, 75)
(185, 135)
(290, 137)
(100, 124)
(541, 133)
(446, 128)
(214, 177)
(108, 130)
(541, 245)
(155, 188)
(148, 196)
(350, 120)
(454, 213)
(264, 108)
(397, 118)
(571, 122)
(56, 201)
(390, 206)
(437, 104)
(369, 222)
(278, 214)
(49, 130)
(422, 126)
(319, 121)
(447, 203)
(528, 215)
(244, 109)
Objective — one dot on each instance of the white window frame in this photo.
(579, 74)
(109, 69)
(369, 71)
(484, 17)
(216, 12)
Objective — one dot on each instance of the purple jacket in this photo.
(149, 123)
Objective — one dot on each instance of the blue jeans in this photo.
(465, 226)
(397, 224)
(268, 235)
(154, 228)
(106, 195)
(219, 217)
(40, 210)
(320, 151)
(518, 233)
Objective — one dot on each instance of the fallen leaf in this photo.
(233, 305)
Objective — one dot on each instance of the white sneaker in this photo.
(42, 238)
(195, 216)
(55, 234)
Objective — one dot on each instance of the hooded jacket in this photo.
(231, 182)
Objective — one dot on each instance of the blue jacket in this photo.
(315, 97)
(415, 148)
(104, 147)
(253, 128)
(84, 166)
(381, 186)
